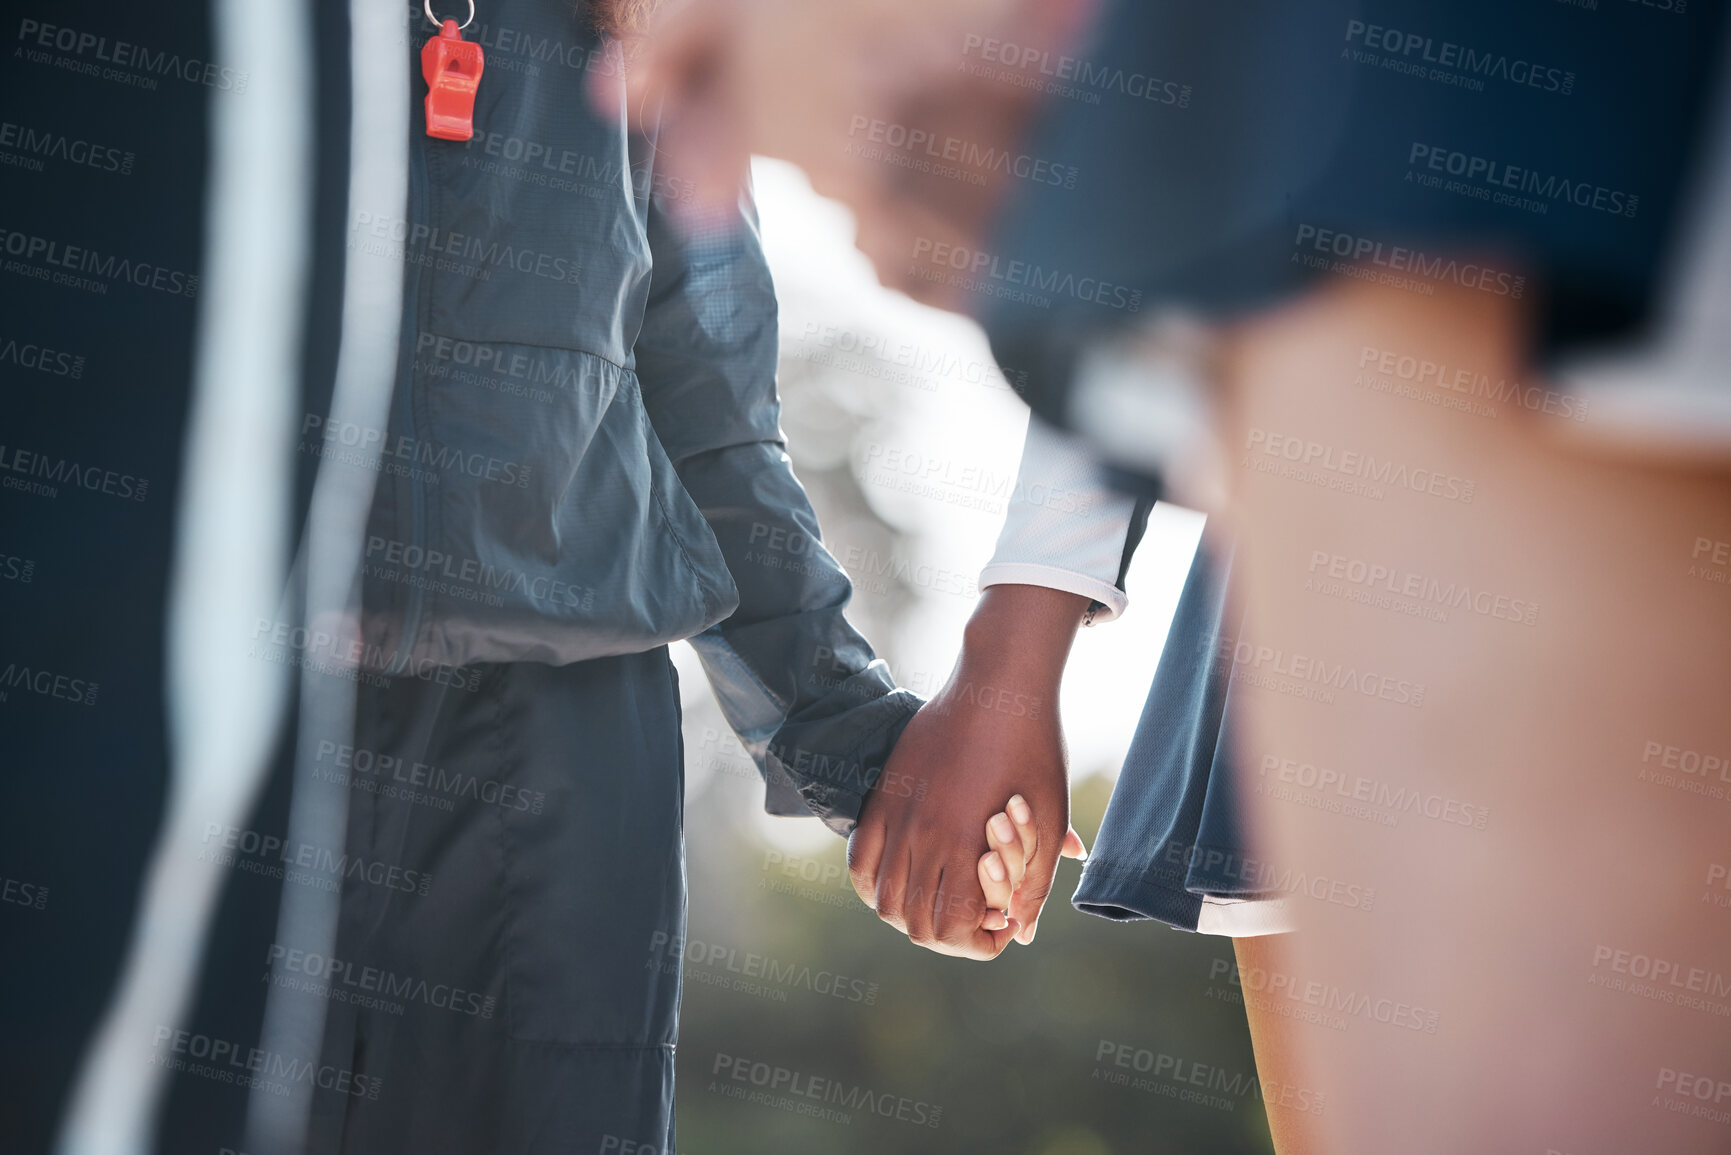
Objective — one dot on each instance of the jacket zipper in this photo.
(414, 289)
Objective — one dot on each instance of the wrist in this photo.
(1018, 640)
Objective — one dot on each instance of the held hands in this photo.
(1004, 877)
(938, 852)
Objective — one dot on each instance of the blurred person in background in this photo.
(1394, 243)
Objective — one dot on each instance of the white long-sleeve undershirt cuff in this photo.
(1015, 573)
(1066, 528)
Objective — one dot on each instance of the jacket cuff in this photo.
(834, 761)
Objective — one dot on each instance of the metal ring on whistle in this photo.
(427, 7)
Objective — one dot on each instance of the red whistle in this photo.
(452, 67)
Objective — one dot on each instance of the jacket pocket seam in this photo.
(709, 600)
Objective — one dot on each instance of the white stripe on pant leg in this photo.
(294, 1021)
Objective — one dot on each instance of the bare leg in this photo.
(1289, 1092)
(1486, 721)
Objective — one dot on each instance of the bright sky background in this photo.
(822, 280)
